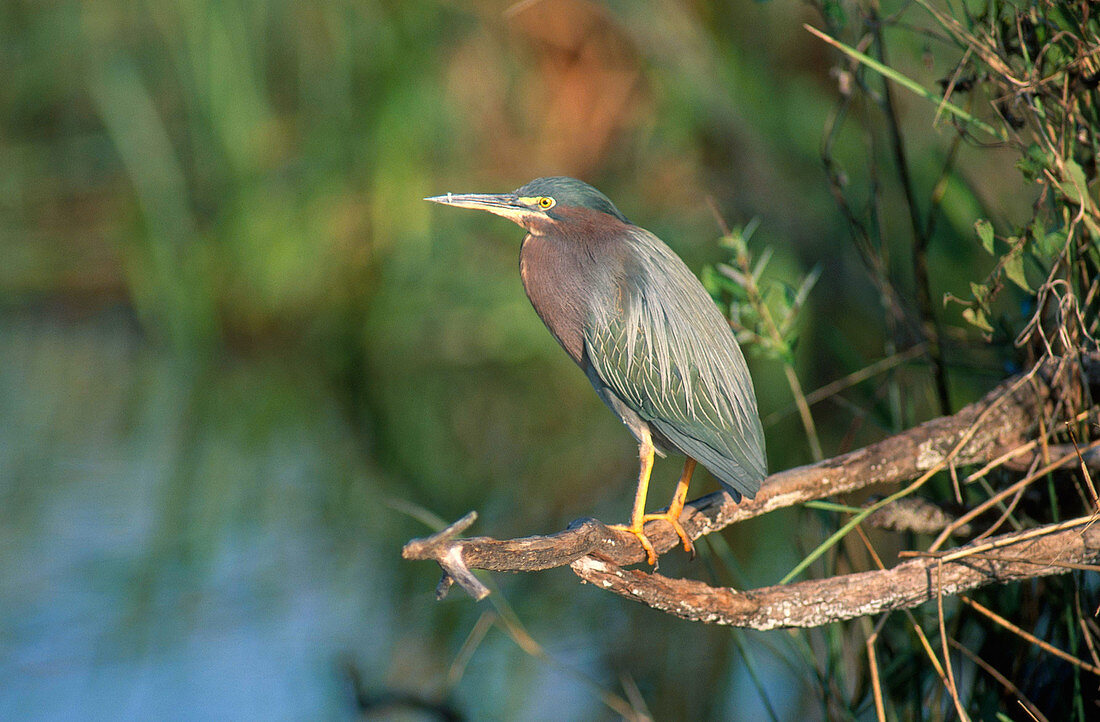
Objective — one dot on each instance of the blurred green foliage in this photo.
(236, 348)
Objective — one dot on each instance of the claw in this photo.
(650, 552)
(685, 540)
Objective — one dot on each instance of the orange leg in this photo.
(637, 516)
(672, 516)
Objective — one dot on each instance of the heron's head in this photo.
(541, 204)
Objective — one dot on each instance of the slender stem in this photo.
(835, 387)
(804, 412)
(930, 325)
(758, 303)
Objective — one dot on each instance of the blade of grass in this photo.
(750, 666)
(851, 524)
(832, 506)
(509, 621)
(905, 82)
(466, 651)
(952, 688)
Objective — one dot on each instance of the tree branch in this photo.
(1006, 413)
(999, 422)
(822, 601)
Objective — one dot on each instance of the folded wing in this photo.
(677, 365)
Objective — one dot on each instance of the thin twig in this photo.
(1008, 491)
(952, 689)
(856, 377)
(1045, 646)
(1016, 538)
(992, 672)
(872, 663)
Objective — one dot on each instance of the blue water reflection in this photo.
(165, 547)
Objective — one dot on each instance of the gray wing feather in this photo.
(663, 349)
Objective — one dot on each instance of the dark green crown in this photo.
(571, 192)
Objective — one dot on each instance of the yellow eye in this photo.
(546, 203)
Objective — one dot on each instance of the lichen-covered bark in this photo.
(822, 601)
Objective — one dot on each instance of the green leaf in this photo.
(761, 264)
(733, 241)
(807, 285)
(1014, 269)
(1075, 187)
(1049, 245)
(976, 317)
(980, 291)
(985, 234)
(711, 280)
(1032, 164)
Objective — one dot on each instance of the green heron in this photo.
(643, 329)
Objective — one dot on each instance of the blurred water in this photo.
(164, 551)
(207, 540)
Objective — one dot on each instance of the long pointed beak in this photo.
(506, 205)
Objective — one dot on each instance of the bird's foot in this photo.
(674, 520)
(650, 552)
